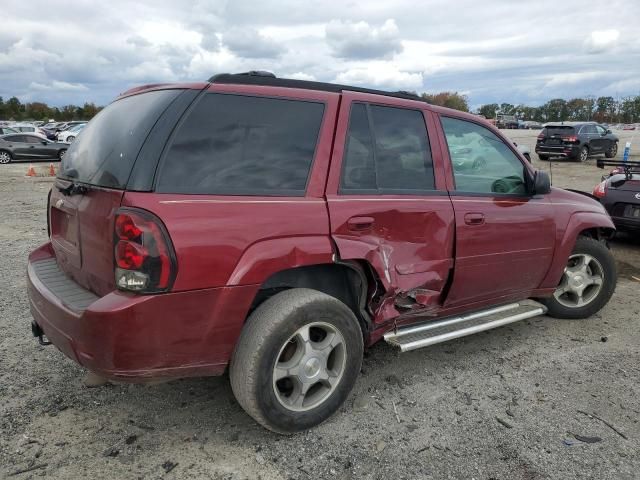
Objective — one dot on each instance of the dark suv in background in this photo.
(577, 141)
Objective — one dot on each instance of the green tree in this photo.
(448, 99)
(488, 110)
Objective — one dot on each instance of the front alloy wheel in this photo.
(5, 157)
(587, 283)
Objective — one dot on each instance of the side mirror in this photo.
(541, 183)
(609, 130)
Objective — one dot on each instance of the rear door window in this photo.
(105, 152)
(387, 152)
(242, 145)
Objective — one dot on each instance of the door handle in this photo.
(359, 224)
(474, 218)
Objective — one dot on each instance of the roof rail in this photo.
(260, 77)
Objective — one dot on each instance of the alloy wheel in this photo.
(5, 157)
(581, 282)
(309, 366)
(584, 154)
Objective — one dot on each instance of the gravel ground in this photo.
(512, 403)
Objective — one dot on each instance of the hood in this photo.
(583, 201)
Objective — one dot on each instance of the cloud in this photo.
(249, 43)
(58, 86)
(380, 76)
(602, 40)
(359, 40)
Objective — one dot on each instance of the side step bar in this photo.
(438, 331)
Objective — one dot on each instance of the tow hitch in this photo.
(37, 332)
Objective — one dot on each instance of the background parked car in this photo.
(619, 193)
(7, 130)
(27, 128)
(28, 146)
(69, 135)
(577, 141)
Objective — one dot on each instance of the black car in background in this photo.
(576, 141)
(619, 193)
(25, 146)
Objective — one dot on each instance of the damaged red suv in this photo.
(275, 228)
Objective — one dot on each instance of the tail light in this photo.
(570, 138)
(600, 190)
(541, 136)
(145, 261)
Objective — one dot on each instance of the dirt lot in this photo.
(505, 404)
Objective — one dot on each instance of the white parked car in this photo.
(68, 136)
(28, 128)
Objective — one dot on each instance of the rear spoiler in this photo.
(628, 167)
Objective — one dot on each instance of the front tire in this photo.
(296, 361)
(5, 157)
(587, 283)
(612, 151)
(543, 157)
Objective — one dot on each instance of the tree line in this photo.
(14, 109)
(599, 109)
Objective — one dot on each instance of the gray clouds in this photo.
(493, 51)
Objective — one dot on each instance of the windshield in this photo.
(105, 152)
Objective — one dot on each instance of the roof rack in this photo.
(261, 77)
(628, 167)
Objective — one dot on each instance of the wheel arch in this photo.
(593, 224)
(348, 282)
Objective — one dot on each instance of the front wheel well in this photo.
(344, 281)
(598, 233)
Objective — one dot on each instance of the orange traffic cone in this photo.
(52, 170)
(31, 172)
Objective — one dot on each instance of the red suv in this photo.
(276, 228)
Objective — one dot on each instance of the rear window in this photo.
(242, 145)
(105, 152)
(559, 130)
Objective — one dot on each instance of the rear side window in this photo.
(242, 145)
(105, 152)
(387, 151)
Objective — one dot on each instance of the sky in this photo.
(522, 51)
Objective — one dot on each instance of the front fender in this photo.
(263, 259)
(578, 223)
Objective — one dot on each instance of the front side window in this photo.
(589, 129)
(243, 145)
(387, 151)
(601, 130)
(482, 162)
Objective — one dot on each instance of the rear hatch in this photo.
(91, 183)
(554, 136)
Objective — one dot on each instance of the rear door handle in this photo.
(474, 218)
(359, 224)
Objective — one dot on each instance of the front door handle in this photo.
(359, 224)
(474, 218)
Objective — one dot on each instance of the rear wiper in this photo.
(72, 189)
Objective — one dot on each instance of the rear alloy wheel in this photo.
(587, 283)
(5, 157)
(612, 151)
(61, 153)
(297, 359)
(583, 156)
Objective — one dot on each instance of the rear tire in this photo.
(543, 157)
(612, 151)
(277, 360)
(5, 157)
(572, 299)
(583, 156)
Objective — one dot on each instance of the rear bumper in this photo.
(136, 337)
(559, 151)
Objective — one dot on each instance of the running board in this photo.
(438, 331)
